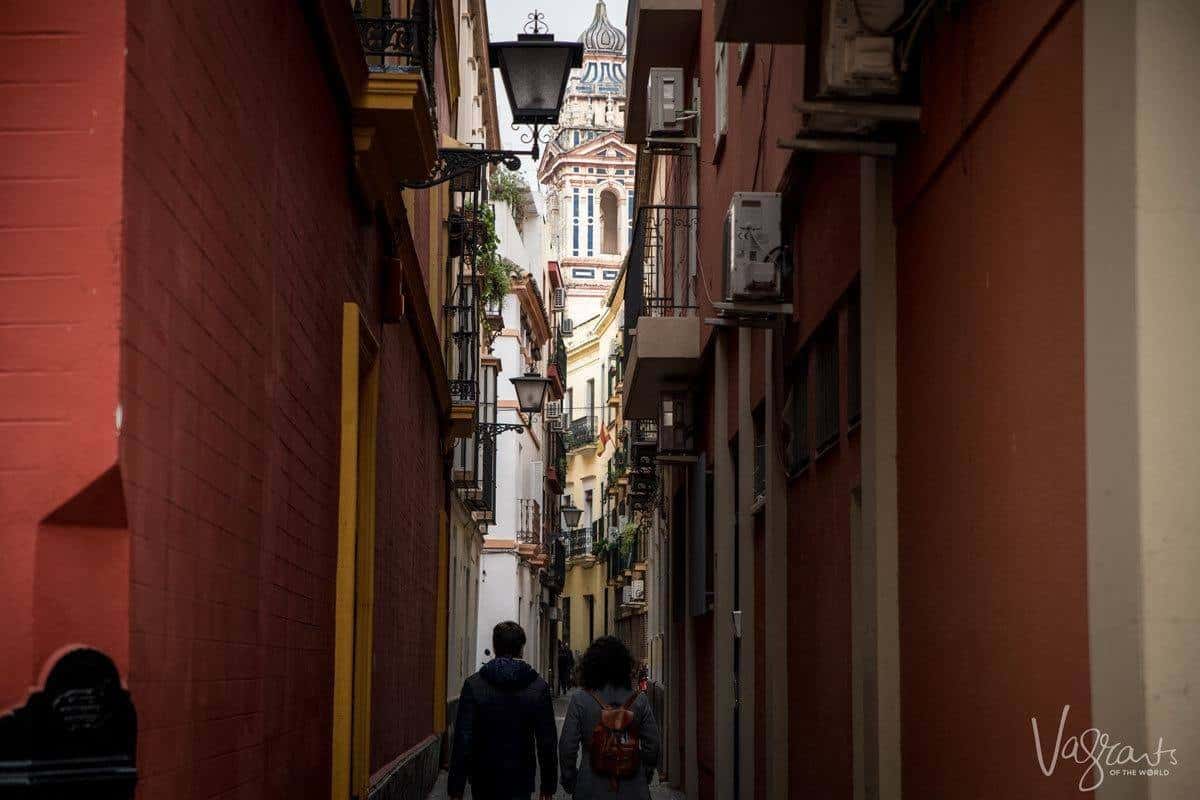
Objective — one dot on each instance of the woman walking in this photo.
(609, 744)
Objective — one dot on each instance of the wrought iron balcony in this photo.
(556, 571)
(582, 432)
(661, 332)
(560, 457)
(529, 522)
(661, 277)
(579, 543)
(395, 44)
(556, 368)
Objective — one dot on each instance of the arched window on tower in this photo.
(609, 223)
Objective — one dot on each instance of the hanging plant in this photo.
(629, 534)
(509, 187)
(492, 268)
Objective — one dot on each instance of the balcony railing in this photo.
(558, 563)
(395, 44)
(661, 277)
(463, 343)
(400, 44)
(579, 543)
(558, 359)
(582, 432)
(560, 456)
(529, 522)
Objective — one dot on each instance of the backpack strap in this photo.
(603, 705)
(628, 704)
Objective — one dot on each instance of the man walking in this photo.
(566, 662)
(504, 713)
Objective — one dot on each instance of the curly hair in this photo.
(606, 662)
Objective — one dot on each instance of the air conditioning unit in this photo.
(665, 103)
(856, 60)
(567, 328)
(554, 410)
(558, 300)
(753, 239)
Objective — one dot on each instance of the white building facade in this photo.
(515, 549)
(587, 173)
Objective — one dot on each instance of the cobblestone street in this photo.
(658, 791)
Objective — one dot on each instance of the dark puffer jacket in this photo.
(504, 714)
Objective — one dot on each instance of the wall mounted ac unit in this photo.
(567, 327)
(665, 103)
(856, 59)
(558, 300)
(554, 409)
(753, 240)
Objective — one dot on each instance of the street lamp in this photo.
(571, 514)
(535, 69)
(531, 392)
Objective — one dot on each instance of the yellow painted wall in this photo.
(583, 580)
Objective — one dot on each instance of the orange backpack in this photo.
(615, 750)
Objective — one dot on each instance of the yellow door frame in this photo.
(354, 601)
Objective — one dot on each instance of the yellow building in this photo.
(597, 592)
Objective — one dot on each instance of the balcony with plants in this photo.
(556, 368)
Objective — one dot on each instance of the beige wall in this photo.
(1142, 212)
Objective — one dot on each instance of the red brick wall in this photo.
(991, 406)
(242, 246)
(61, 114)
(410, 496)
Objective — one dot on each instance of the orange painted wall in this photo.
(61, 124)
(993, 583)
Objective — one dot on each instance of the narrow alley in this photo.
(824, 370)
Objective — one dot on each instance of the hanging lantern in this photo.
(571, 514)
(531, 392)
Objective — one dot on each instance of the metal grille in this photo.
(394, 44)
(660, 277)
(529, 521)
(583, 431)
(799, 449)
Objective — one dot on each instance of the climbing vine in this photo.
(491, 266)
(509, 187)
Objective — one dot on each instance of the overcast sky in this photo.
(566, 19)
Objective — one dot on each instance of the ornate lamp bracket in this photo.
(490, 431)
(455, 161)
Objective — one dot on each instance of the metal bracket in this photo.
(492, 430)
(455, 161)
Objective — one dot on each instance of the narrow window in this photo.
(608, 223)
(796, 413)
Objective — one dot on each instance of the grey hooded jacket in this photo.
(583, 713)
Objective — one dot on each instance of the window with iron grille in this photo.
(825, 385)
(854, 357)
(796, 412)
